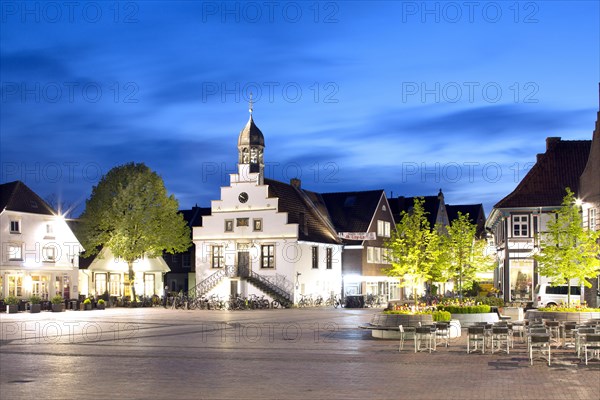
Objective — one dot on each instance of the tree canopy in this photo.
(463, 254)
(568, 250)
(130, 212)
(412, 248)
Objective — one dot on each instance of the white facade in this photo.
(516, 234)
(39, 256)
(236, 231)
(108, 274)
(248, 235)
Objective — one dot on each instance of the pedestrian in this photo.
(165, 296)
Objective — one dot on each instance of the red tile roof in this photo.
(558, 168)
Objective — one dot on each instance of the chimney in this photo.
(295, 182)
(538, 157)
(550, 141)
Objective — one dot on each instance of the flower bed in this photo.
(575, 316)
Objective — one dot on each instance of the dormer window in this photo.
(15, 226)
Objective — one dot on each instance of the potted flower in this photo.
(12, 304)
(57, 303)
(34, 304)
(101, 304)
(87, 304)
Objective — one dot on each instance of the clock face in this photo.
(243, 197)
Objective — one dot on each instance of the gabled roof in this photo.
(16, 196)
(590, 178)
(194, 216)
(558, 168)
(475, 212)
(401, 203)
(299, 203)
(352, 211)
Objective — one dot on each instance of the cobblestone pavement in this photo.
(271, 354)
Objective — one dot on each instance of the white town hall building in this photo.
(266, 237)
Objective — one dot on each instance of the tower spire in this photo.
(250, 105)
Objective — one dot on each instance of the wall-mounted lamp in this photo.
(298, 280)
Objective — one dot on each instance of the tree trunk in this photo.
(132, 282)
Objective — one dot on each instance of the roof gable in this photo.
(16, 196)
(194, 216)
(545, 184)
(352, 211)
(305, 208)
(401, 203)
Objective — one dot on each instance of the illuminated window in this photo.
(100, 283)
(15, 285)
(267, 259)
(15, 252)
(383, 228)
(521, 280)
(218, 261)
(329, 258)
(520, 224)
(592, 219)
(114, 287)
(374, 255)
(149, 284)
(49, 253)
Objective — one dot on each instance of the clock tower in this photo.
(251, 145)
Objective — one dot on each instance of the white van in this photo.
(548, 295)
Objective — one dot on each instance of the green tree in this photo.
(463, 253)
(568, 250)
(412, 248)
(130, 213)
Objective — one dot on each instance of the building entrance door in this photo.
(244, 264)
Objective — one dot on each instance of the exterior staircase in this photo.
(277, 287)
(207, 284)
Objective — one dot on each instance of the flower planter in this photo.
(12, 308)
(579, 317)
(467, 320)
(100, 306)
(57, 307)
(35, 308)
(515, 313)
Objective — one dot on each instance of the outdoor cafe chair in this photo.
(541, 344)
(403, 331)
(580, 338)
(569, 333)
(500, 337)
(475, 338)
(442, 332)
(591, 346)
(425, 338)
(554, 331)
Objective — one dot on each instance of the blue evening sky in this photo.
(404, 96)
